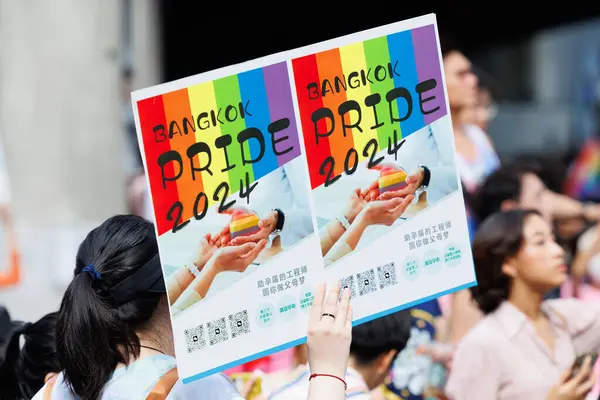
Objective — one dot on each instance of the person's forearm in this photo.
(326, 388)
(351, 237)
(197, 290)
(563, 206)
(178, 282)
(330, 234)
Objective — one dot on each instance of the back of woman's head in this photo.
(25, 368)
(96, 329)
(498, 238)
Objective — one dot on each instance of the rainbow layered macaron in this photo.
(243, 224)
(391, 179)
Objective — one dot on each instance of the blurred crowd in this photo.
(530, 329)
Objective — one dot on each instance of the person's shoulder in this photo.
(479, 337)
(575, 314)
(54, 389)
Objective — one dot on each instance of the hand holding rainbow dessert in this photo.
(393, 182)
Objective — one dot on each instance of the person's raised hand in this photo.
(329, 332)
(206, 249)
(576, 388)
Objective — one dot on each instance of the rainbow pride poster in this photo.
(333, 162)
(363, 97)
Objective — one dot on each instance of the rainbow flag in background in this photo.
(371, 67)
(583, 178)
(206, 114)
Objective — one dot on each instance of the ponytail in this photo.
(94, 332)
(86, 327)
(8, 375)
(24, 370)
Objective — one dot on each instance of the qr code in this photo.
(239, 324)
(217, 331)
(194, 338)
(387, 275)
(366, 282)
(348, 283)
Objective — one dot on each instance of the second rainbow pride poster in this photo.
(330, 162)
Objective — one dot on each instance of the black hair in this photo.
(94, 333)
(448, 44)
(373, 338)
(499, 238)
(24, 369)
(501, 185)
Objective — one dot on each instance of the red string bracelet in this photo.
(329, 376)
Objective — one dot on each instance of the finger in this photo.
(240, 250)
(584, 372)
(396, 193)
(392, 204)
(224, 231)
(412, 179)
(564, 377)
(358, 193)
(340, 316)
(374, 186)
(373, 194)
(406, 202)
(392, 194)
(207, 237)
(255, 237)
(349, 318)
(252, 254)
(269, 220)
(317, 306)
(583, 389)
(331, 302)
(224, 240)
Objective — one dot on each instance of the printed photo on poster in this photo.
(210, 255)
(375, 142)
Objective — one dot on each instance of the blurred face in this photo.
(539, 264)
(460, 81)
(534, 196)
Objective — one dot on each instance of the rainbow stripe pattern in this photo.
(391, 179)
(379, 65)
(200, 117)
(583, 178)
(243, 225)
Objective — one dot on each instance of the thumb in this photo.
(242, 249)
(411, 179)
(391, 203)
(564, 377)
